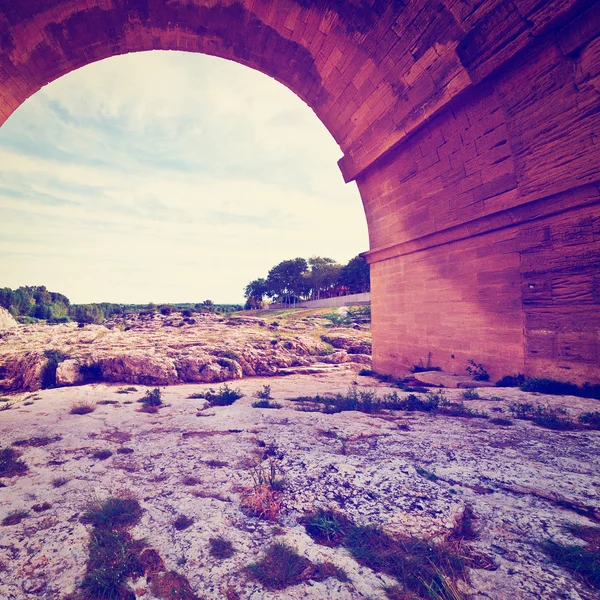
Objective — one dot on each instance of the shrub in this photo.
(265, 404)
(366, 373)
(54, 358)
(544, 416)
(264, 393)
(224, 396)
(510, 381)
(590, 418)
(501, 421)
(477, 371)
(10, 463)
(470, 394)
(60, 481)
(152, 398)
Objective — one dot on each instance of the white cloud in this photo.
(167, 177)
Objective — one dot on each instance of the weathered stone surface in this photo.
(469, 127)
(7, 321)
(409, 473)
(68, 372)
(156, 350)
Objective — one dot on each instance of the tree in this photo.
(286, 280)
(254, 293)
(356, 276)
(323, 276)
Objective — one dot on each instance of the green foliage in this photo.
(470, 394)
(14, 517)
(295, 279)
(584, 563)
(423, 568)
(113, 555)
(427, 474)
(152, 398)
(477, 371)
(544, 416)
(281, 566)
(590, 418)
(355, 276)
(221, 548)
(511, 381)
(561, 388)
(112, 513)
(55, 357)
(264, 393)
(264, 403)
(224, 396)
(10, 463)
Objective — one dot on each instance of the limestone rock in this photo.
(68, 373)
(24, 372)
(141, 369)
(7, 321)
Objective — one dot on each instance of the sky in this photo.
(168, 177)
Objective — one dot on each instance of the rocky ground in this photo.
(411, 473)
(156, 349)
(470, 480)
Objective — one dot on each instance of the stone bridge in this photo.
(471, 127)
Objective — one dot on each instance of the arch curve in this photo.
(470, 128)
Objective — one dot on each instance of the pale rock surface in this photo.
(525, 484)
(161, 350)
(7, 321)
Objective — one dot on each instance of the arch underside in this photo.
(470, 126)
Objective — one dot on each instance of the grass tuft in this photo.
(182, 522)
(113, 512)
(221, 548)
(10, 463)
(14, 517)
(82, 407)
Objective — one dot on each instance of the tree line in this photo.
(30, 303)
(299, 279)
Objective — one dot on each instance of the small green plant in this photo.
(544, 416)
(38, 508)
(427, 474)
(470, 394)
(511, 381)
(501, 421)
(327, 527)
(583, 562)
(113, 512)
(265, 404)
(10, 463)
(126, 390)
(477, 371)
(592, 419)
(152, 398)
(14, 517)
(182, 522)
(54, 358)
(422, 368)
(366, 373)
(264, 393)
(102, 454)
(221, 548)
(37, 442)
(224, 396)
(60, 481)
(82, 407)
(281, 566)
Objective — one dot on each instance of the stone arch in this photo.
(470, 126)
